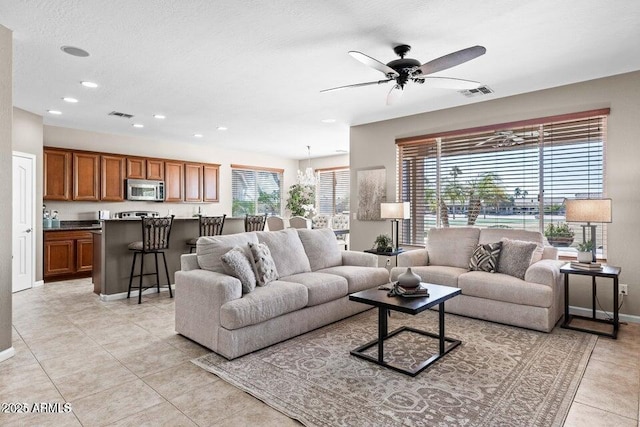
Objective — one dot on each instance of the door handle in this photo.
(28, 230)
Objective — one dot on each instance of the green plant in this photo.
(383, 243)
(560, 230)
(301, 200)
(585, 246)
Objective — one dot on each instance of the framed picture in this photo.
(372, 190)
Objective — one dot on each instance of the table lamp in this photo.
(395, 212)
(588, 210)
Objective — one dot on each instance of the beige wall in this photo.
(6, 112)
(374, 145)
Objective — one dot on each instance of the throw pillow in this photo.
(485, 257)
(238, 265)
(265, 267)
(515, 257)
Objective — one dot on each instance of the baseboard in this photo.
(7, 354)
(38, 283)
(134, 293)
(587, 312)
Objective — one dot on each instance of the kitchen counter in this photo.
(75, 225)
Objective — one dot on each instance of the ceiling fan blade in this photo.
(374, 63)
(452, 59)
(394, 94)
(491, 138)
(377, 82)
(449, 82)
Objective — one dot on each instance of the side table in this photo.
(607, 271)
(389, 254)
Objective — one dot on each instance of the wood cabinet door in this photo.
(136, 168)
(155, 169)
(173, 182)
(59, 257)
(210, 181)
(84, 255)
(57, 175)
(86, 176)
(112, 173)
(192, 182)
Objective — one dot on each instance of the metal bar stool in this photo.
(254, 222)
(155, 240)
(209, 226)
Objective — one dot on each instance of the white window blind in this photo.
(256, 191)
(510, 176)
(333, 191)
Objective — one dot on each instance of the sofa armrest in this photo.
(413, 258)
(199, 296)
(361, 259)
(549, 252)
(545, 272)
(189, 262)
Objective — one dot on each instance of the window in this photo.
(333, 191)
(256, 190)
(514, 175)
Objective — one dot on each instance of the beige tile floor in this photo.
(122, 364)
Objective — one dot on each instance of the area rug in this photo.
(498, 376)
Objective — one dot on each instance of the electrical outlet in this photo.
(624, 290)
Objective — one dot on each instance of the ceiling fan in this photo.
(505, 138)
(403, 70)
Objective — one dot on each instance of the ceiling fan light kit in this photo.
(404, 70)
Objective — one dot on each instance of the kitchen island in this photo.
(112, 258)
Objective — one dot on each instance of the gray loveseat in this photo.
(535, 301)
(315, 279)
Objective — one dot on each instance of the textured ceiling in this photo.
(257, 67)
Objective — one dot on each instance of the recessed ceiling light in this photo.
(54, 112)
(92, 85)
(70, 100)
(328, 120)
(197, 135)
(222, 128)
(138, 125)
(75, 51)
(159, 116)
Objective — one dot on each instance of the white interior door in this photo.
(24, 232)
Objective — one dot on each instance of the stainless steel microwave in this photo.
(145, 189)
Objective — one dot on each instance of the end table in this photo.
(607, 271)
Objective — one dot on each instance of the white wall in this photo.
(325, 162)
(374, 145)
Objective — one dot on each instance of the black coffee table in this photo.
(378, 298)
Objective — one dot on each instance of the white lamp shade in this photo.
(398, 210)
(588, 210)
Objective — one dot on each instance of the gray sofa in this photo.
(315, 279)
(534, 302)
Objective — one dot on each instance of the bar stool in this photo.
(254, 222)
(155, 240)
(209, 226)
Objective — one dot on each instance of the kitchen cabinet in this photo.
(155, 169)
(173, 181)
(67, 255)
(136, 168)
(210, 183)
(86, 176)
(193, 182)
(112, 173)
(57, 174)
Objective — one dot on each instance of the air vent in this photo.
(482, 90)
(123, 115)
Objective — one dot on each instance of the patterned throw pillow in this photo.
(265, 267)
(485, 257)
(237, 264)
(515, 257)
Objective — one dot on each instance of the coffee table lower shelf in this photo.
(444, 349)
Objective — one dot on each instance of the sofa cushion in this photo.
(210, 249)
(238, 265)
(359, 278)
(485, 257)
(438, 274)
(452, 247)
(515, 257)
(263, 304)
(321, 287)
(488, 235)
(502, 287)
(263, 264)
(321, 247)
(287, 251)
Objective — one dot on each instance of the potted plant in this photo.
(301, 200)
(559, 235)
(585, 251)
(383, 243)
